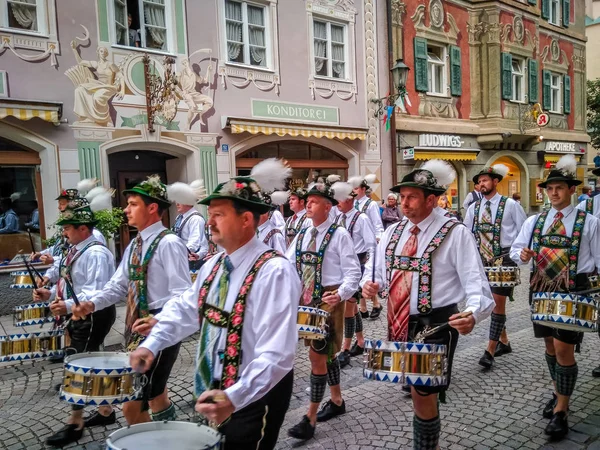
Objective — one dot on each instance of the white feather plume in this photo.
(370, 178)
(341, 190)
(181, 193)
(442, 171)
(311, 185)
(271, 174)
(99, 190)
(567, 164)
(101, 201)
(333, 178)
(85, 186)
(15, 196)
(198, 188)
(355, 181)
(279, 197)
(500, 169)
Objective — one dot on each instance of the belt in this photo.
(436, 316)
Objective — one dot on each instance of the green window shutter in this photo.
(532, 71)
(180, 29)
(546, 9)
(421, 83)
(567, 94)
(506, 76)
(546, 94)
(566, 12)
(532, 2)
(455, 71)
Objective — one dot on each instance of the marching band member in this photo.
(243, 314)
(363, 237)
(267, 232)
(276, 218)
(495, 221)
(564, 246)
(299, 220)
(154, 269)
(326, 261)
(433, 264)
(87, 266)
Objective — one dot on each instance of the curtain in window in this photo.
(154, 13)
(257, 35)
(337, 50)
(233, 12)
(25, 13)
(120, 22)
(320, 32)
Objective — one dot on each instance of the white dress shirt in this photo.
(168, 271)
(470, 198)
(596, 206)
(192, 233)
(457, 271)
(295, 223)
(89, 273)
(334, 212)
(277, 220)
(362, 233)
(373, 213)
(276, 241)
(269, 336)
(340, 263)
(443, 212)
(589, 247)
(512, 220)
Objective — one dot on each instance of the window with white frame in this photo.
(556, 93)
(436, 70)
(143, 23)
(247, 33)
(24, 15)
(518, 80)
(555, 12)
(329, 49)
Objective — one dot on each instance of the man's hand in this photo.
(331, 299)
(84, 309)
(45, 281)
(370, 289)
(46, 258)
(144, 326)
(527, 254)
(41, 295)
(58, 307)
(215, 406)
(464, 325)
(193, 257)
(141, 360)
(34, 256)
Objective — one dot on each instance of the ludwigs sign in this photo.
(295, 112)
(440, 140)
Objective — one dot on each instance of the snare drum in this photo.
(193, 275)
(165, 435)
(565, 311)
(22, 280)
(406, 363)
(503, 276)
(101, 378)
(594, 282)
(22, 347)
(31, 314)
(311, 323)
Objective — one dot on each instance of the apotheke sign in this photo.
(563, 147)
(440, 140)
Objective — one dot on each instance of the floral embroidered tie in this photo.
(399, 297)
(486, 248)
(133, 309)
(61, 291)
(343, 223)
(177, 226)
(309, 271)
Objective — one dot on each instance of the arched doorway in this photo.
(511, 183)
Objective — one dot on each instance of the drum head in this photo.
(164, 435)
(99, 360)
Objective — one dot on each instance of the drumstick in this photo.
(74, 296)
(215, 398)
(424, 334)
(31, 241)
(35, 286)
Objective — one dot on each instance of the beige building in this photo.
(592, 32)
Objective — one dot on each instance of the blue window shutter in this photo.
(567, 94)
(455, 71)
(532, 2)
(566, 12)
(534, 87)
(506, 76)
(546, 93)
(421, 82)
(546, 9)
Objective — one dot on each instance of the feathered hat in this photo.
(497, 171)
(186, 194)
(300, 192)
(68, 194)
(565, 170)
(360, 181)
(153, 189)
(267, 176)
(276, 199)
(434, 176)
(324, 188)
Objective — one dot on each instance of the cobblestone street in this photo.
(500, 409)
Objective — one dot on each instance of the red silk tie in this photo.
(399, 298)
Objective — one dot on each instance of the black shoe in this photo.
(57, 387)
(375, 312)
(56, 359)
(331, 410)
(344, 358)
(356, 350)
(303, 430)
(98, 419)
(66, 435)
(595, 372)
(364, 314)
(558, 426)
(406, 389)
(548, 411)
(502, 349)
(487, 360)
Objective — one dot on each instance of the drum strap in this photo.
(186, 220)
(350, 228)
(66, 265)
(212, 247)
(495, 228)
(366, 206)
(589, 205)
(270, 234)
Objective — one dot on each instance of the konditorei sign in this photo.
(440, 140)
(563, 147)
(295, 112)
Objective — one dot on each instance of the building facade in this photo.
(592, 32)
(255, 79)
(481, 74)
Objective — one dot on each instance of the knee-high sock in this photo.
(498, 321)
(551, 361)
(333, 373)
(359, 322)
(426, 433)
(349, 327)
(165, 414)
(317, 387)
(566, 377)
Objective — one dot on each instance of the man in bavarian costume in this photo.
(86, 268)
(248, 297)
(154, 269)
(428, 263)
(267, 232)
(299, 219)
(495, 221)
(564, 245)
(363, 237)
(327, 264)
(275, 216)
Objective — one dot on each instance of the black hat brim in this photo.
(141, 193)
(434, 191)
(489, 174)
(260, 208)
(569, 181)
(333, 201)
(596, 171)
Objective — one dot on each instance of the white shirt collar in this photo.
(189, 212)
(301, 213)
(324, 226)
(566, 211)
(263, 226)
(494, 200)
(82, 244)
(424, 224)
(245, 251)
(152, 230)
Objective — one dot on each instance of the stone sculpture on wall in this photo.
(190, 85)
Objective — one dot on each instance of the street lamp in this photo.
(399, 76)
